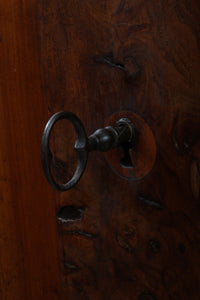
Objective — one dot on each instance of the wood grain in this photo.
(29, 262)
(135, 239)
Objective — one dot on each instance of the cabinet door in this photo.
(127, 233)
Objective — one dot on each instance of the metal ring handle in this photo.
(81, 144)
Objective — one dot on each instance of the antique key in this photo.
(102, 139)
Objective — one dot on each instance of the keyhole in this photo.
(125, 161)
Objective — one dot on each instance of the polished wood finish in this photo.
(29, 262)
(117, 238)
(125, 239)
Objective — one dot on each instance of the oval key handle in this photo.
(102, 139)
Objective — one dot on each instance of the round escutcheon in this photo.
(141, 157)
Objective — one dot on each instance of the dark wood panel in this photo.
(134, 239)
(29, 263)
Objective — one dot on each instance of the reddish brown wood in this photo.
(29, 263)
(134, 239)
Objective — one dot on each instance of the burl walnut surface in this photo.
(128, 239)
(125, 239)
(115, 238)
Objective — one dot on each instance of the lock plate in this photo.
(137, 160)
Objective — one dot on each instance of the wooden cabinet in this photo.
(124, 233)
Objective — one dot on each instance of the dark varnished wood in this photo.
(132, 239)
(29, 263)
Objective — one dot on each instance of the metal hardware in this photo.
(102, 139)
